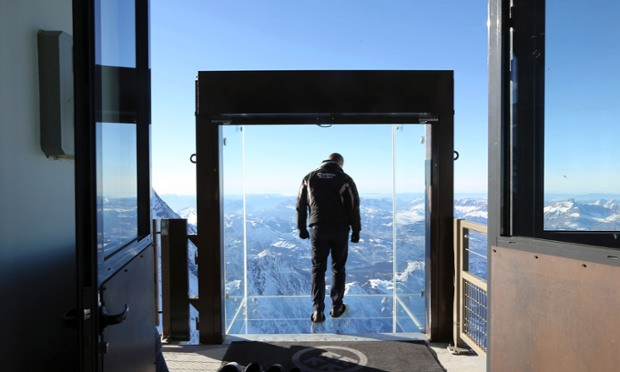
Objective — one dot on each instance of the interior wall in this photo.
(37, 207)
(551, 313)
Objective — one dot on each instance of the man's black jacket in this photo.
(330, 196)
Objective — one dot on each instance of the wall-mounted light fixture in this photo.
(56, 93)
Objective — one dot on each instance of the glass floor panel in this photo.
(366, 314)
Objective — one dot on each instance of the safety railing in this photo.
(470, 305)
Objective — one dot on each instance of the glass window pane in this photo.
(117, 186)
(116, 33)
(582, 75)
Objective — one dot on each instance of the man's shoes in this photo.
(317, 317)
(337, 312)
(253, 367)
(276, 368)
(230, 367)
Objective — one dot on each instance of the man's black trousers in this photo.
(326, 239)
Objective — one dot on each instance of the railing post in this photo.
(458, 287)
(174, 279)
(157, 269)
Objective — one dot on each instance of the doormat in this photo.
(347, 356)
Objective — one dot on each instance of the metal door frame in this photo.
(133, 106)
(325, 97)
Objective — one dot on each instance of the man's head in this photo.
(337, 158)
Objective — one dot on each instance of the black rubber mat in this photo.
(348, 356)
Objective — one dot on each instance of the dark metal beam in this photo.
(440, 249)
(85, 184)
(143, 117)
(210, 231)
(327, 92)
(174, 279)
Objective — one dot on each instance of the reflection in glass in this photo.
(581, 116)
(268, 267)
(116, 33)
(117, 185)
(477, 253)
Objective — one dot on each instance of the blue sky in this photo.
(194, 35)
(582, 76)
(277, 157)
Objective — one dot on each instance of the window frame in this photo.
(524, 138)
(126, 100)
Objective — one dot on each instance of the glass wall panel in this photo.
(582, 75)
(234, 234)
(409, 152)
(117, 186)
(268, 267)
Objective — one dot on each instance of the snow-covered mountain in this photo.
(266, 261)
(161, 210)
(190, 215)
(571, 214)
(278, 264)
(471, 209)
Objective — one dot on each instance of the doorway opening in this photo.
(267, 266)
(258, 133)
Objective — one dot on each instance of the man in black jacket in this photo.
(331, 198)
